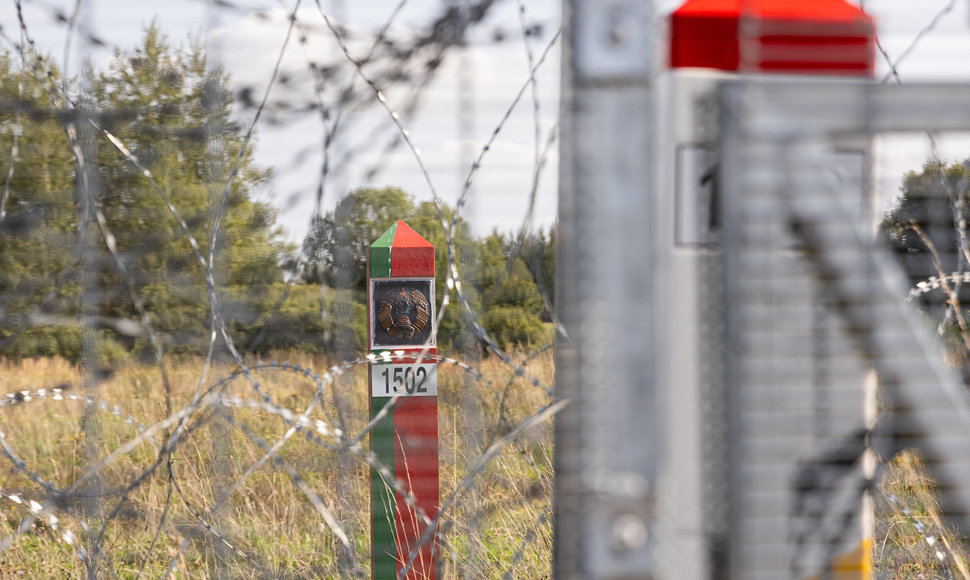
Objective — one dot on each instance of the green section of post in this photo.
(383, 500)
(383, 506)
(379, 255)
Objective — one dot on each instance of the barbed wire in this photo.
(210, 404)
(316, 431)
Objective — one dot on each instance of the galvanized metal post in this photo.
(606, 439)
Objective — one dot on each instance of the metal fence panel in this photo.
(814, 301)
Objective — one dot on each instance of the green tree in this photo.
(426, 219)
(512, 303)
(172, 113)
(38, 216)
(927, 231)
(538, 251)
(336, 247)
(926, 217)
(495, 273)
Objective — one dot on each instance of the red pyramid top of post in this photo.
(822, 37)
(401, 252)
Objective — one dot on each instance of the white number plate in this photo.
(404, 380)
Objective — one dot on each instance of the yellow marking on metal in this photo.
(854, 565)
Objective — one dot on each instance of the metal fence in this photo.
(747, 270)
(818, 303)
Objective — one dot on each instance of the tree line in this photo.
(503, 278)
(117, 224)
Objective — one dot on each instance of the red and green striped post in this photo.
(400, 276)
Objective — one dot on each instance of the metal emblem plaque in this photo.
(403, 312)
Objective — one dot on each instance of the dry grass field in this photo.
(220, 506)
(910, 538)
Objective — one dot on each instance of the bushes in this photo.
(64, 342)
(300, 323)
(511, 326)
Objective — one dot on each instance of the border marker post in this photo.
(403, 383)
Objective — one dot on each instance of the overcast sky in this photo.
(483, 80)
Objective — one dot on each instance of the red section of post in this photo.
(416, 459)
(412, 255)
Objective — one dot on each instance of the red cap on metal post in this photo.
(793, 37)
